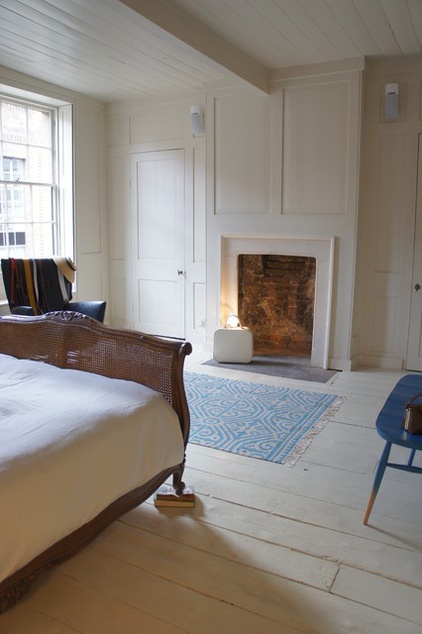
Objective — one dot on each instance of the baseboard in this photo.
(383, 363)
(342, 365)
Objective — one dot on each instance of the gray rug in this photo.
(286, 367)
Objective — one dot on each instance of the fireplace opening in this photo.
(276, 298)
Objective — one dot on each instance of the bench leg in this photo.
(412, 455)
(378, 477)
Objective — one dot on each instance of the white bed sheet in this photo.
(71, 443)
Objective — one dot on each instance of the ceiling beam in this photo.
(205, 41)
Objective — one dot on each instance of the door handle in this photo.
(180, 272)
(417, 287)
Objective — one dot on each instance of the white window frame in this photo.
(63, 170)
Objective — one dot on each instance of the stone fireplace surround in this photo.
(321, 248)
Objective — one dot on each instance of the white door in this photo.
(157, 226)
(414, 348)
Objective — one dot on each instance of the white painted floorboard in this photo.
(268, 548)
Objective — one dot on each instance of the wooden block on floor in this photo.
(166, 497)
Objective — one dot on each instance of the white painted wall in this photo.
(280, 165)
(91, 219)
(325, 175)
(387, 218)
(287, 164)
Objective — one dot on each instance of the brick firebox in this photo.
(276, 296)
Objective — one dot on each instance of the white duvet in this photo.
(71, 443)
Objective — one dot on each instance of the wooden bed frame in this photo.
(72, 340)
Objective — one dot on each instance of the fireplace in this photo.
(320, 250)
(276, 296)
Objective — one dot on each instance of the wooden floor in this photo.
(268, 549)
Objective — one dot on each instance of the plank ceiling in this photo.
(112, 49)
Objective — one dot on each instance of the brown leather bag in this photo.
(412, 421)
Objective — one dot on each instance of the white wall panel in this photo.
(118, 310)
(117, 131)
(91, 220)
(88, 198)
(117, 169)
(118, 302)
(391, 155)
(157, 182)
(242, 154)
(384, 325)
(420, 101)
(199, 224)
(153, 299)
(90, 282)
(316, 128)
(158, 123)
(199, 307)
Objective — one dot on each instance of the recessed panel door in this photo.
(158, 279)
(414, 348)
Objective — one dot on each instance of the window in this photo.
(12, 204)
(36, 180)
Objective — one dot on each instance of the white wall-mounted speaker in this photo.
(391, 102)
(197, 120)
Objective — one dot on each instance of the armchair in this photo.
(94, 309)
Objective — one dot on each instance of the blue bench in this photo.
(389, 427)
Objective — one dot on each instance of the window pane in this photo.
(39, 165)
(42, 202)
(40, 240)
(27, 213)
(12, 202)
(14, 151)
(12, 242)
(39, 128)
(13, 123)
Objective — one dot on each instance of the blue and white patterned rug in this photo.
(251, 419)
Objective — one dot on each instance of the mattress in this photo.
(72, 442)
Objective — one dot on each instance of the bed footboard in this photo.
(72, 340)
(18, 584)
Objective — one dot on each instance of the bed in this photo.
(93, 421)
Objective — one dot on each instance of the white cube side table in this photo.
(233, 345)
